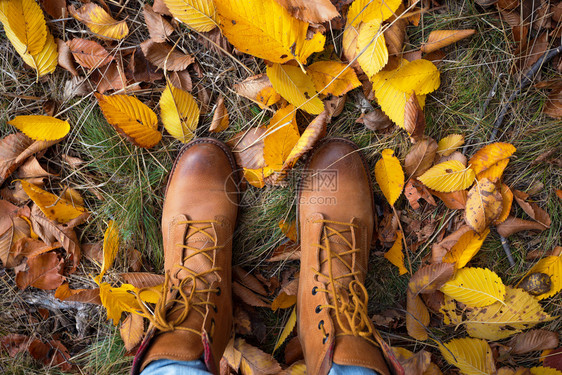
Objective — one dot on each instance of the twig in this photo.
(505, 246)
(526, 80)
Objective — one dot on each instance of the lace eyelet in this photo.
(215, 309)
(318, 309)
(325, 338)
(218, 291)
(320, 324)
(314, 290)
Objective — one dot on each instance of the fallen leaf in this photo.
(554, 361)
(374, 120)
(371, 51)
(395, 254)
(247, 148)
(533, 340)
(483, 205)
(413, 364)
(282, 134)
(254, 361)
(55, 8)
(65, 58)
(181, 80)
(248, 280)
(43, 272)
(332, 77)
(295, 86)
(317, 11)
(11, 147)
(158, 27)
(471, 356)
(264, 29)
(513, 225)
(25, 19)
(143, 70)
(552, 266)
(475, 287)
(507, 200)
(442, 38)
(131, 118)
(532, 209)
(395, 33)
(165, 56)
(99, 21)
(247, 296)
(414, 120)
(450, 144)
(110, 248)
(258, 89)
(200, 15)
(179, 113)
(517, 312)
(466, 247)
(88, 53)
(420, 157)
(287, 329)
(365, 10)
(132, 331)
(553, 106)
(389, 176)
(414, 191)
(41, 128)
(447, 177)
(110, 77)
(220, 117)
(490, 161)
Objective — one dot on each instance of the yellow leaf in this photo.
(131, 118)
(483, 205)
(467, 246)
(110, 248)
(179, 113)
(395, 254)
(507, 200)
(254, 361)
(332, 77)
(471, 356)
(41, 128)
(475, 287)
(25, 19)
(99, 21)
(200, 15)
(540, 370)
(442, 38)
(448, 176)
(289, 326)
(283, 301)
(371, 47)
(500, 320)
(450, 144)
(389, 176)
(417, 317)
(551, 266)
(123, 299)
(46, 60)
(282, 135)
(367, 10)
(132, 331)
(490, 161)
(53, 207)
(289, 229)
(265, 29)
(308, 139)
(295, 86)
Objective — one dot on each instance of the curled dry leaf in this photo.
(442, 38)
(533, 340)
(165, 56)
(317, 11)
(158, 27)
(179, 113)
(447, 177)
(513, 225)
(65, 59)
(142, 69)
(395, 34)
(374, 120)
(11, 147)
(332, 77)
(247, 24)
(255, 361)
(220, 117)
(181, 80)
(41, 128)
(335, 105)
(414, 191)
(99, 21)
(483, 206)
(414, 120)
(258, 88)
(88, 53)
(55, 8)
(420, 157)
(532, 209)
(389, 176)
(131, 118)
(449, 144)
(248, 280)
(490, 161)
(43, 272)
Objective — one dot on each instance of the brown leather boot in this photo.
(194, 319)
(336, 222)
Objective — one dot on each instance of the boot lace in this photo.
(350, 313)
(185, 296)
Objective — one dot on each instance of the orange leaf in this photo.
(442, 38)
(99, 21)
(165, 56)
(44, 272)
(132, 331)
(88, 53)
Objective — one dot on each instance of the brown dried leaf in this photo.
(532, 209)
(533, 340)
(88, 53)
(553, 107)
(375, 120)
(110, 77)
(414, 191)
(5, 245)
(132, 331)
(417, 316)
(159, 6)
(430, 278)
(158, 27)
(335, 105)
(142, 70)
(420, 158)
(413, 364)
(414, 119)
(220, 117)
(248, 280)
(395, 34)
(181, 80)
(247, 296)
(441, 38)
(247, 148)
(65, 58)
(259, 89)
(165, 56)
(43, 272)
(514, 225)
(455, 200)
(457, 155)
(255, 361)
(55, 8)
(315, 11)
(483, 205)
(11, 147)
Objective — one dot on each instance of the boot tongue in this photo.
(338, 245)
(197, 240)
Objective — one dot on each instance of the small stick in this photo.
(505, 246)
(526, 80)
